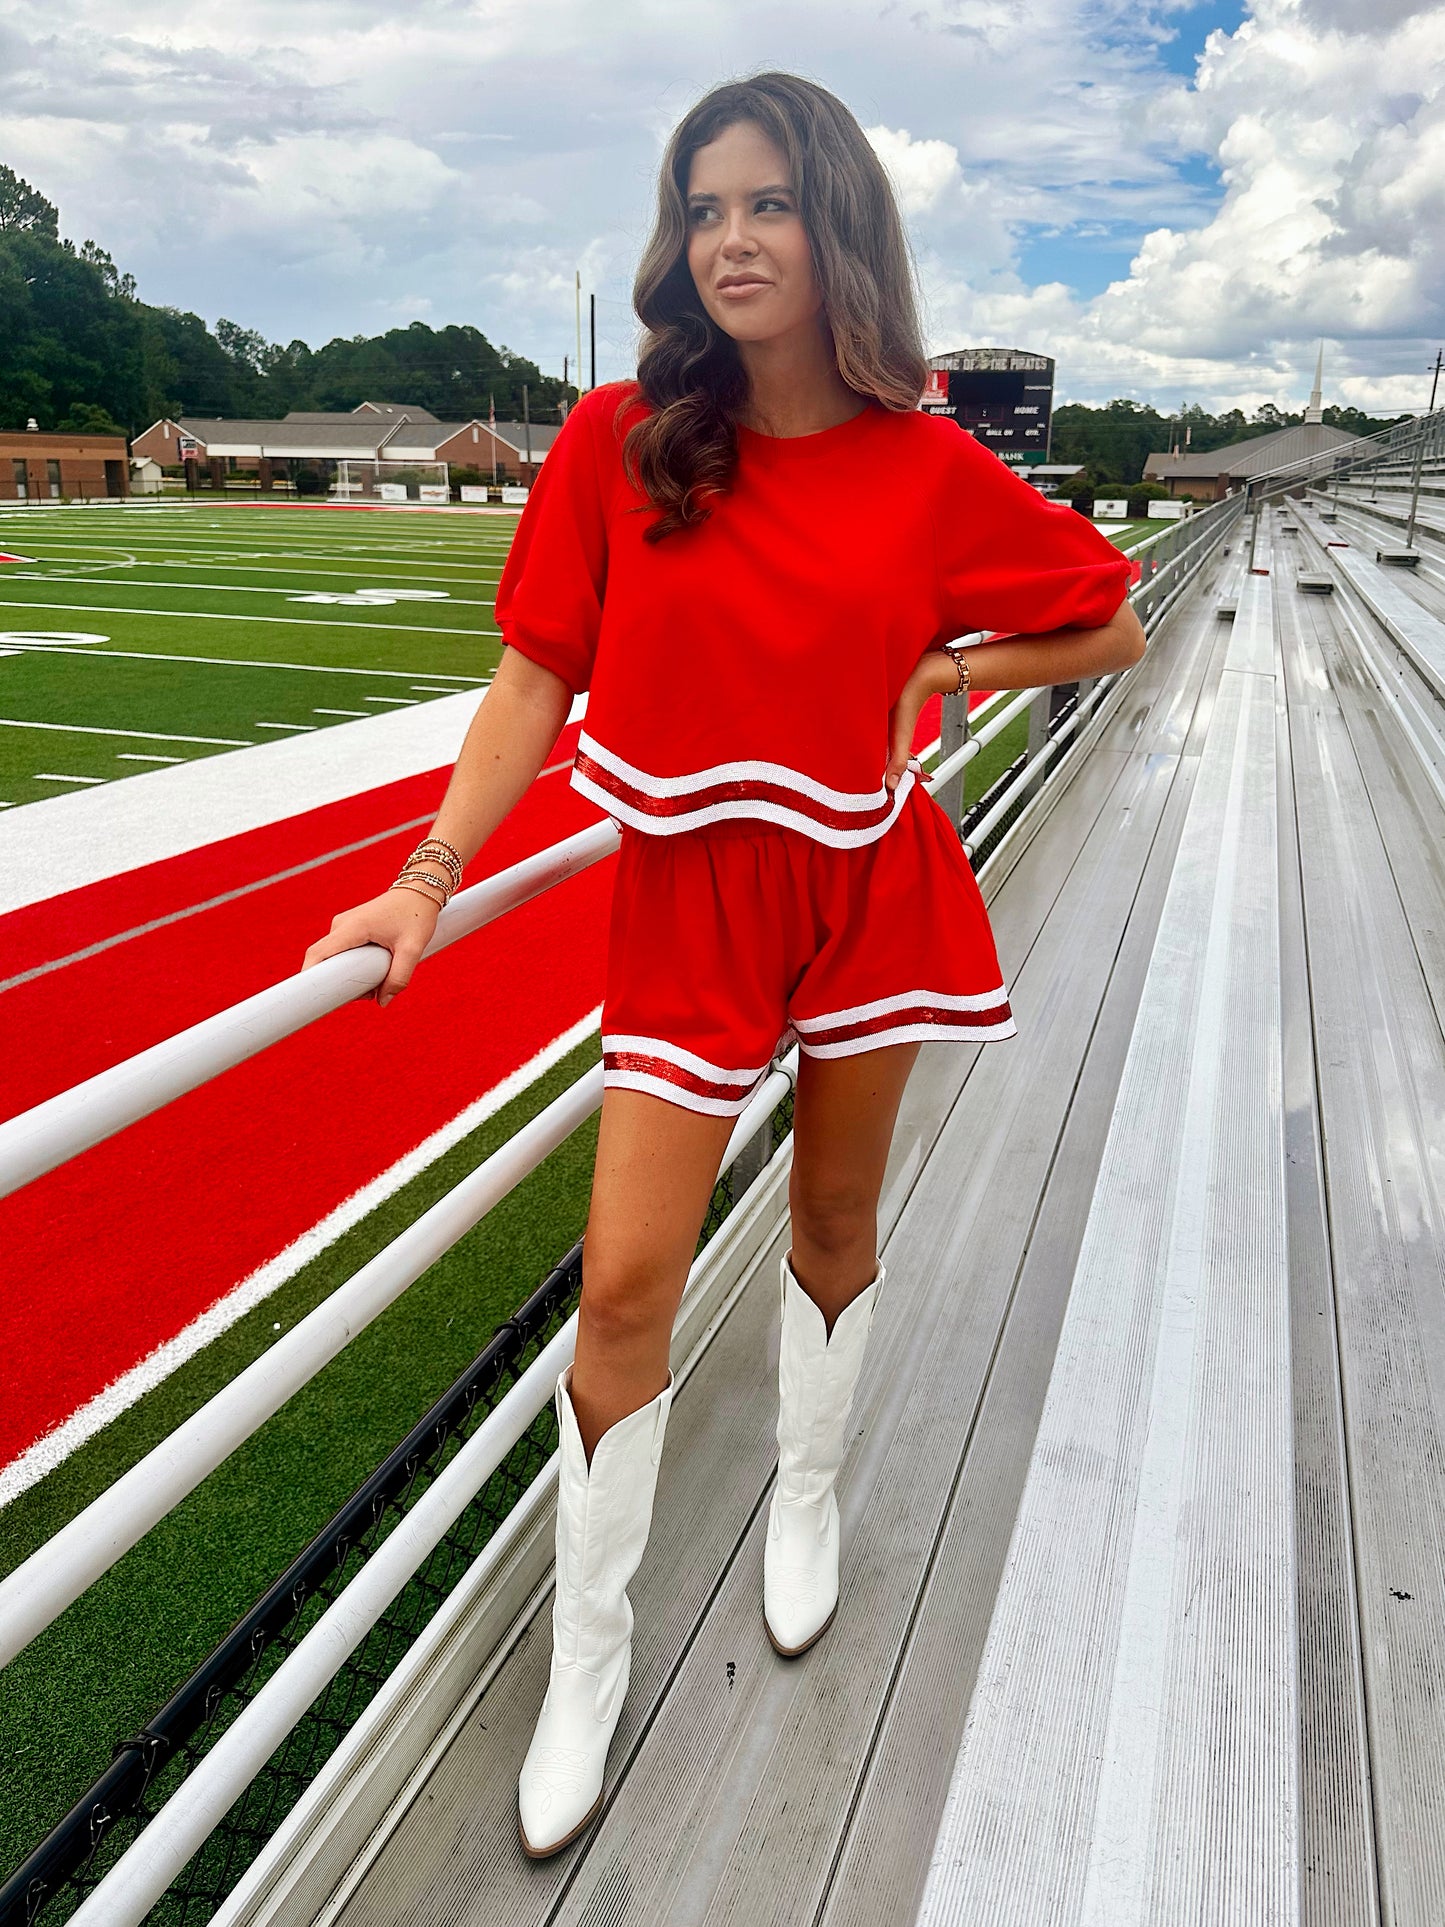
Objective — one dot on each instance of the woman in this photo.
(753, 558)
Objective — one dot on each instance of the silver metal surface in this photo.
(1160, 1372)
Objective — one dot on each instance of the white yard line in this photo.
(49, 776)
(145, 735)
(224, 554)
(225, 662)
(232, 588)
(52, 1450)
(290, 622)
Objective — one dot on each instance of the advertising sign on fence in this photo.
(513, 492)
(433, 492)
(1114, 508)
(473, 492)
(391, 491)
(1168, 511)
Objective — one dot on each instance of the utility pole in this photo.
(592, 325)
(563, 409)
(1420, 455)
(527, 431)
(579, 334)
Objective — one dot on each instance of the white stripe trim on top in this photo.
(747, 770)
(741, 809)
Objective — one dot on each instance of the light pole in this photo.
(1420, 456)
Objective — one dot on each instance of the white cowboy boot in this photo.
(817, 1374)
(604, 1514)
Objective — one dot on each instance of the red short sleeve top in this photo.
(747, 667)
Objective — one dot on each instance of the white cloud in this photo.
(922, 171)
(293, 163)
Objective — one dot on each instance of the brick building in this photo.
(383, 432)
(37, 467)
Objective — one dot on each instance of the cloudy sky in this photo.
(1178, 201)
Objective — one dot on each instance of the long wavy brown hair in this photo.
(688, 370)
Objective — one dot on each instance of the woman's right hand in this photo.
(402, 921)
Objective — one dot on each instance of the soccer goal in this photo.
(370, 481)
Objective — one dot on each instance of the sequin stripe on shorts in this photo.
(911, 1015)
(649, 1059)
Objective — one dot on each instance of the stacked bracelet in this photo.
(435, 864)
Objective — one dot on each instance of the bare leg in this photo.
(657, 1163)
(843, 1120)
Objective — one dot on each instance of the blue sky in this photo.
(1171, 217)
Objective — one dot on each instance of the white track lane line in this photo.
(123, 1392)
(66, 842)
(241, 890)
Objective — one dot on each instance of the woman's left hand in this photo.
(933, 675)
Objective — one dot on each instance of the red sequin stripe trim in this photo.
(751, 789)
(991, 1014)
(663, 1067)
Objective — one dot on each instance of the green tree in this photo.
(23, 210)
(86, 419)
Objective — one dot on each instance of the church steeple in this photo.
(1313, 412)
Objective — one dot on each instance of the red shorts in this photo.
(729, 941)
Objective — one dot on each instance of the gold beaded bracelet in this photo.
(421, 867)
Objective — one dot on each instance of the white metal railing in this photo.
(46, 1136)
(1425, 433)
(59, 1572)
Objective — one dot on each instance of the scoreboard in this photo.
(1004, 397)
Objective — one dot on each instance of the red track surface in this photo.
(129, 1242)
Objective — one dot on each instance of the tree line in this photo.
(81, 353)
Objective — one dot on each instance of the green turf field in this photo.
(197, 630)
(203, 639)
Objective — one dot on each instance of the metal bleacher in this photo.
(1143, 1584)
(1142, 1604)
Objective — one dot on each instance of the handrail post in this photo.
(952, 735)
(1038, 730)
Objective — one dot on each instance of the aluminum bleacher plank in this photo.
(883, 1862)
(1130, 1753)
(1406, 799)
(1381, 1072)
(1338, 1878)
